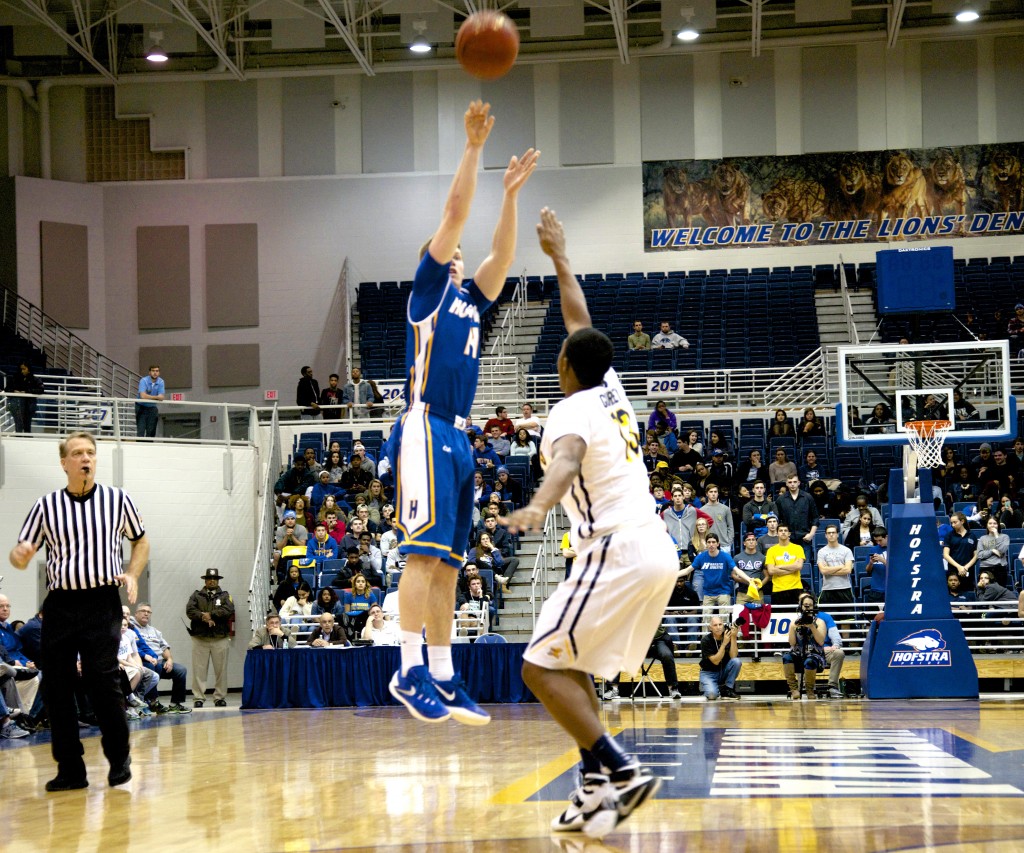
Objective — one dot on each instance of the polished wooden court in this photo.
(752, 775)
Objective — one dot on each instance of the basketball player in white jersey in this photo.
(602, 620)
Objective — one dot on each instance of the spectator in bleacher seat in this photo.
(1018, 452)
(719, 571)
(757, 510)
(497, 505)
(1002, 468)
(271, 635)
(752, 469)
(963, 409)
(480, 488)
(297, 607)
(661, 500)
(661, 414)
(335, 525)
(993, 551)
(811, 424)
(503, 541)
(667, 339)
(719, 661)
(380, 630)
(289, 532)
(716, 441)
(356, 478)
(529, 421)
(880, 421)
(321, 547)
(473, 600)
(797, 510)
(334, 466)
(371, 559)
(1009, 514)
(851, 516)
(878, 566)
(1015, 329)
(393, 571)
(289, 587)
(699, 479)
(781, 427)
(352, 566)
(721, 517)
(164, 667)
(365, 462)
(684, 460)
(307, 395)
(697, 545)
(522, 445)
(782, 468)
(23, 409)
(358, 395)
(653, 453)
(771, 532)
(508, 487)
(720, 470)
(321, 490)
(681, 519)
(835, 562)
(483, 456)
(373, 499)
(854, 423)
(502, 421)
(358, 600)
(783, 564)
(961, 550)
(331, 399)
(945, 473)
(300, 506)
(750, 561)
(989, 588)
(362, 513)
(327, 601)
(666, 438)
(331, 505)
(484, 555)
(327, 633)
(293, 481)
(639, 340)
(998, 326)
(499, 444)
(694, 440)
(810, 470)
(956, 594)
(136, 680)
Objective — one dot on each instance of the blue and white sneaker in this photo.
(455, 698)
(416, 690)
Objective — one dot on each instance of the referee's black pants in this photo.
(83, 622)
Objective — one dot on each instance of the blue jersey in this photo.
(442, 349)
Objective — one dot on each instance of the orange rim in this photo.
(927, 428)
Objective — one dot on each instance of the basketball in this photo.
(487, 44)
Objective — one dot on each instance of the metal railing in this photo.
(505, 335)
(64, 349)
(259, 583)
(544, 563)
(851, 326)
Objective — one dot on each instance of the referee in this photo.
(82, 526)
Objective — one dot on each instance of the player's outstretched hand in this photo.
(551, 234)
(479, 122)
(530, 517)
(519, 169)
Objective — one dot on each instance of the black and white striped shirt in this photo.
(82, 535)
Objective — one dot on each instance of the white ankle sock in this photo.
(441, 667)
(412, 650)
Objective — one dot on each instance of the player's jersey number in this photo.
(629, 435)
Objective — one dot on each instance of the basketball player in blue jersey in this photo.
(432, 460)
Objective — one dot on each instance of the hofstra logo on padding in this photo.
(923, 648)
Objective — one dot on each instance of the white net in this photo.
(926, 439)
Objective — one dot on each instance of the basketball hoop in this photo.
(926, 439)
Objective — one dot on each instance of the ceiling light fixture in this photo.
(155, 53)
(967, 15)
(420, 43)
(688, 32)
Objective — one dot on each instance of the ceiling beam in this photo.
(181, 7)
(617, 10)
(756, 24)
(82, 48)
(347, 36)
(896, 10)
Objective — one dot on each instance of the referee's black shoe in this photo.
(65, 783)
(121, 773)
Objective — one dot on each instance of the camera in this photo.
(739, 621)
(806, 618)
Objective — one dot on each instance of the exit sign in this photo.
(177, 397)
(270, 395)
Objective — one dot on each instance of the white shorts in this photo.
(602, 620)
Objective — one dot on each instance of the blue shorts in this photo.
(434, 478)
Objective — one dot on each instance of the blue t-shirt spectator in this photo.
(717, 572)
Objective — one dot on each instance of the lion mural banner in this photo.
(887, 196)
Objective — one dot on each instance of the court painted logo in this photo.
(922, 648)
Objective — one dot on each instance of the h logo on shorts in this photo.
(413, 506)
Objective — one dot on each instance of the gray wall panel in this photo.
(1009, 62)
(233, 365)
(586, 113)
(828, 83)
(307, 120)
(949, 93)
(232, 135)
(164, 283)
(511, 98)
(387, 112)
(748, 104)
(666, 108)
(232, 276)
(64, 272)
(175, 365)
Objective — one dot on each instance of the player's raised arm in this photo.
(490, 276)
(552, 240)
(460, 195)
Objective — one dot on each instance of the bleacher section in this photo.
(382, 311)
(726, 315)
(14, 350)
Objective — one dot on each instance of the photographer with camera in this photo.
(807, 635)
(719, 661)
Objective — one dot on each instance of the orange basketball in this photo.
(487, 44)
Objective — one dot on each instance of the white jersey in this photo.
(611, 491)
